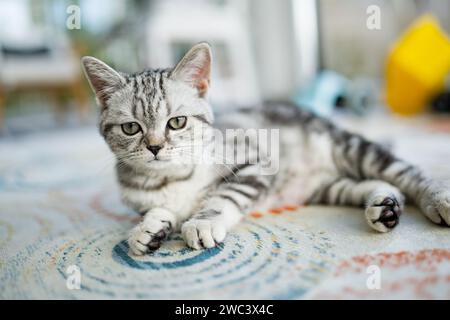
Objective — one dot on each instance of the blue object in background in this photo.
(323, 94)
(330, 90)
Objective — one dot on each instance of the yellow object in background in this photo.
(417, 67)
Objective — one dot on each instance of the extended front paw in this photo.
(200, 234)
(147, 236)
(150, 233)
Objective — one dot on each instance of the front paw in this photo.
(149, 234)
(199, 234)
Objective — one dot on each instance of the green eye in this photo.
(177, 123)
(131, 128)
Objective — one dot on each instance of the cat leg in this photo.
(225, 206)
(430, 195)
(148, 235)
(356, 157)
(382, 201)
(435, 202)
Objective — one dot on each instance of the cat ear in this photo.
(195, 68)
(103, 79)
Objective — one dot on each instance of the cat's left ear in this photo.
(195, 68)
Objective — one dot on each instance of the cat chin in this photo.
(159, 164)
(164, 165)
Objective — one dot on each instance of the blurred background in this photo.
(329, 56)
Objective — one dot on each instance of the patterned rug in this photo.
(60, 207)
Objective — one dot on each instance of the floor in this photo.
(59, 207)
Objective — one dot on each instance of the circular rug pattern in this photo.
(262, 258)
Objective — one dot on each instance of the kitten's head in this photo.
(149, 118)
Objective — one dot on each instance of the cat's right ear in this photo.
(103, 79)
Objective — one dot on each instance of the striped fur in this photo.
(205, 200)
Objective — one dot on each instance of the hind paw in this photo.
(383, 213)
(436, 206)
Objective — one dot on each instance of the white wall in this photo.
(271, 25)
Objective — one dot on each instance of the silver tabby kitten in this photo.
(152, 119)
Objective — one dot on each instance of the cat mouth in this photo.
(157, 160)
